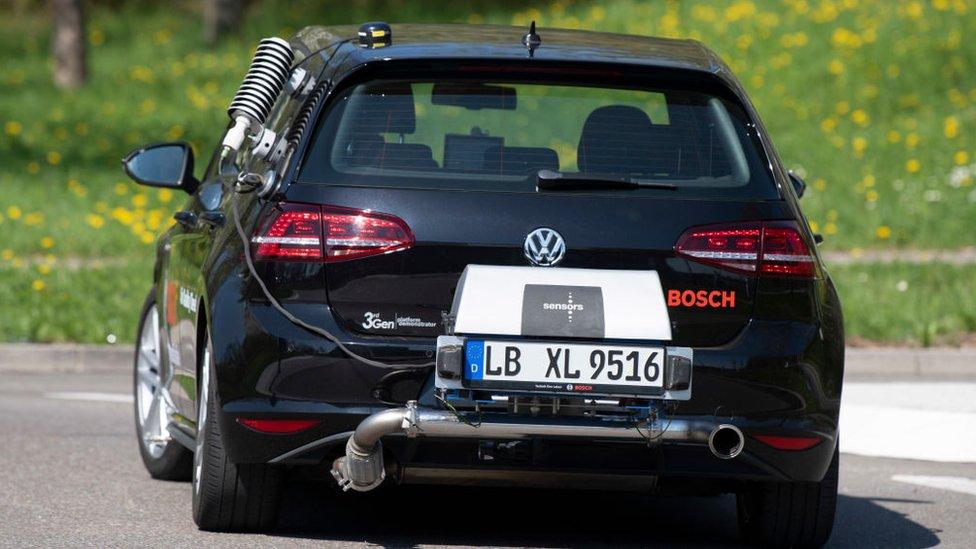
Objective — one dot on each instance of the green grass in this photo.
(85, 305)
(915, 304)
(874, 102)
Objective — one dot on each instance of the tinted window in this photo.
(498, 135)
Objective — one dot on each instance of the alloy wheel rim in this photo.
(150, 407)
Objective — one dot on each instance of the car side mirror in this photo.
(167, 165)
(799, 185)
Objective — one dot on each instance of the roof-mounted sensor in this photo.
(375, 35)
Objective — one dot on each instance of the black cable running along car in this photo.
(427, 254)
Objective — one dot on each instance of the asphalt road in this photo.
(70, 475)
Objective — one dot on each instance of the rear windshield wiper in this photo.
(548, 179)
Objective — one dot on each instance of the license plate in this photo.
(564, 368)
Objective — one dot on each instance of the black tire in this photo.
(790, 514)
(229, 497)
(176, 461)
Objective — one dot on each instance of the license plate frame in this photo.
(538, 357)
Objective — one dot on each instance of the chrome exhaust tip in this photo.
(726, 441)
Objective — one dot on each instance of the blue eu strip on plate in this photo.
(474, 356)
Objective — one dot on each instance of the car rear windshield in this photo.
(497, 136)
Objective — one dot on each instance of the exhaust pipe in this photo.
(362, 468)
(726, 441)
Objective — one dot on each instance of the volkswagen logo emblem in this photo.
(544, 247)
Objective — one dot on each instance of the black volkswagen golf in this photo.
(429, 254)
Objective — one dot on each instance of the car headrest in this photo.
(386, 108)
(520, 160)
(615, 139)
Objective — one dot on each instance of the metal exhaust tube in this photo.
(362, 467)
(726, 441)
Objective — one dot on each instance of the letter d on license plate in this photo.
(564, 368)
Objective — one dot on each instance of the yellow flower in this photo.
(147, 238)
(33, 218)
(38, 285)
(121, 188)
(13, 127)
(165, 195)
(53, 158)
(95, 220)
(883, 232)
(859, 144)
(813, 226)
(828, 125)
(13, 212)
(960, 158)
(47, 242)
(860, 118)
(913, 165)
(893, 136)
(830, 228)
(835, 67)
(33, 167)
(950, 127)
(139, 200)
(871, 195)
(44, 268)
(842, 108)
(819, 184)
(7, 254)
(911, 140)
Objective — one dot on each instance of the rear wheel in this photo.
(790, 514)
(228, 496)
(163, 457)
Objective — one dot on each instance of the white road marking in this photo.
(925, 421)
(90, 396)
(955, 484)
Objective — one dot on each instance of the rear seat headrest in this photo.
(386, 108)
(520, 160)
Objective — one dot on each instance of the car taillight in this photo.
(305, 232)
(351, 234)
(292, 232)
(770, 248)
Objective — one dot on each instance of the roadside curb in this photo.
(862, 363)
(64, 358)
(904, 362)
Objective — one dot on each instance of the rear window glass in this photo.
(477, 135)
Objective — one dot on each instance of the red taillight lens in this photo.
(304, 232)
(352, 234)
(734, 247)
(278, 426)
(788, 443)
(784, 252)
(292, 232)
(771, 248)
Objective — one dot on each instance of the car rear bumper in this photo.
(776, 378)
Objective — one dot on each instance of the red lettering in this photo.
(713, 299)
(702, 300)
(674, 298)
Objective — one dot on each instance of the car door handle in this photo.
(186, 218)
(213, 218)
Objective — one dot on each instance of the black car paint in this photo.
(775, 369)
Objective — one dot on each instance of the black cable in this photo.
(299, 322)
